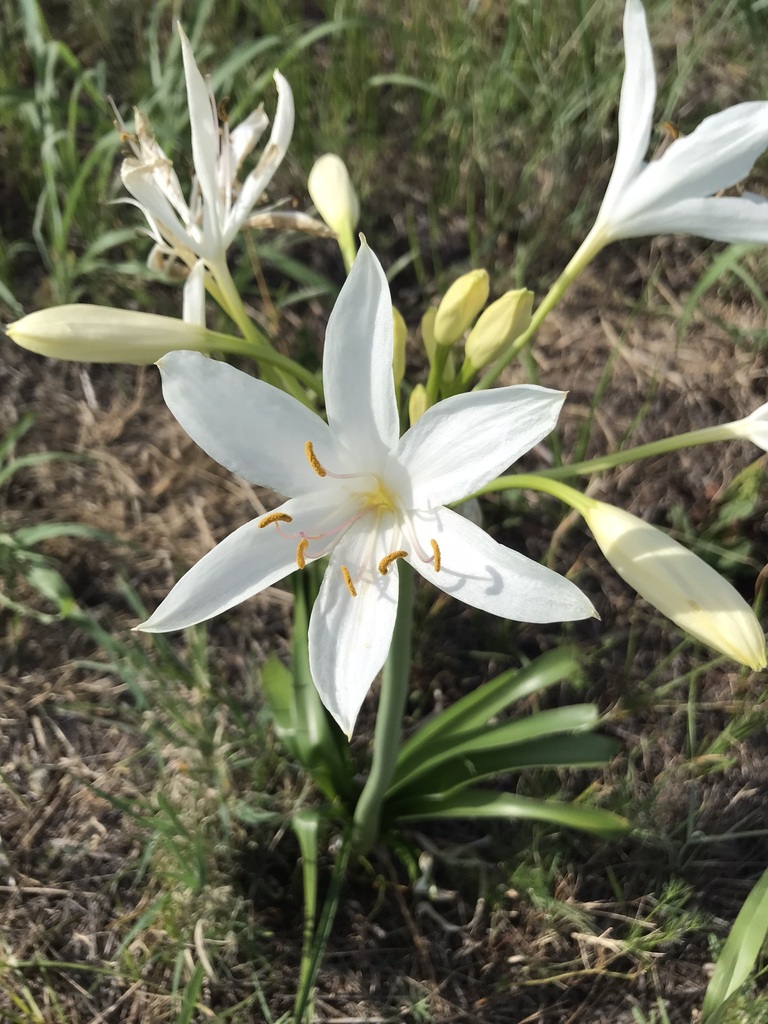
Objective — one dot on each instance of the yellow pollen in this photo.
(300, 551)
(385, 563)
(275, 517)
(436, 555)
(313, 460)
(348, 581)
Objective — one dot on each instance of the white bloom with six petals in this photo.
(360, 494)
(675, 194)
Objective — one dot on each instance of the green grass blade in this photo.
(477, 708)
(499, 737)
(548, 752)
(739, 953)
(479, 803)
(306, 826)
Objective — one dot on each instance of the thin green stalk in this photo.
(436, 370)
(537, 482)
(263, 354)
(706, 435)
(389, 718)
(586, 252)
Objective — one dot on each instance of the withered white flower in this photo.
(202, 229)
(360, 494)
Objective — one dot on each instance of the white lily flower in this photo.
(204, 228)
(675, 194)
(360, 495)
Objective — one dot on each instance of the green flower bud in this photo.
(460, 305)
(418, 403)
(398, 352)
(498, 325)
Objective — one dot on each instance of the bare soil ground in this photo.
(76, 758)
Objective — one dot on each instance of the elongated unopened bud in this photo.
(398, 352)
(498, 325)
(101, 334)
(678, 583)
(418, 403)
(460, 305)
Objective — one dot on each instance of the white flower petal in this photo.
(349, 637)
(271, 158)
(155, 206)
(357, 362)
(205, 145)
(244, 563)
(193, 298)
(252, 428)
(753, 427)
(484, 574)
(463, 442)
(243, 138)
(722, 219)
(638, 96)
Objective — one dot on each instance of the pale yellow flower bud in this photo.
(418, 403)
(398, 352)
(336, 201)
(428, 332)
(498, 325)
(678, 583)
(101, 334)
(460, 305)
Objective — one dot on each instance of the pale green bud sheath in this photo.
(460, 305)
(669, 576)
(336, 201)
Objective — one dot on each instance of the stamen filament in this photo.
(348, 581)
(300, 550)
(275, 517)
(385, 563)
(436, 552)
(313, 460)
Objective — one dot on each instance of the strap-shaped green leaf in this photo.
(548, 752)
(739, 953)
(450, 747)
(480, 803)
(477, 708)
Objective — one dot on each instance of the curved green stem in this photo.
(586, 252)
(389, 717)
(267, 355)
(537, 482)
(706, 435)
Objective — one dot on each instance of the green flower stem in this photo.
(706, 435)
(586, 252)
(232, 304)
(436, 369)
(389, 718)
(536, 482)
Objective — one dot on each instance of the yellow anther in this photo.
(348, 581)
(385, 563)
(275, 517)
(300, 552)
(436, 555)
(313, 460)
(671, 130)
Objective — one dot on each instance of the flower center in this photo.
(378, 500)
